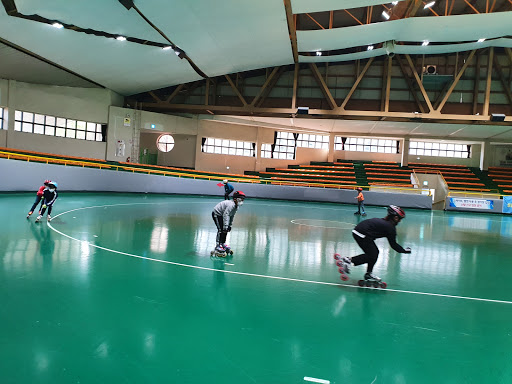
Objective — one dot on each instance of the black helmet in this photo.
(238, 195)
(394, 210)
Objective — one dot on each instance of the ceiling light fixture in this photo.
(370, 48)
(318, 53)
(167, 48)
(394, 2)
(121, 38)
(385, 15)
(480, 40)
(57, 25)
(429, 5)
(425, 43)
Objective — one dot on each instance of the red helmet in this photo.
(359, 189)
(238, 195)
(46, 182)
(394, 210)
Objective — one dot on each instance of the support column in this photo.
(404, 143)
(257, 163)
(485, 154)
(11, 109)
(330, 156)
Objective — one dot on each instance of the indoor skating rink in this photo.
(121, 288)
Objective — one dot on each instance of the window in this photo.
(228, 147)
(361, 144)
(165, 143)
(313, 141)
(2, 119)
(56, 126)
(423, 148)
(283, 147)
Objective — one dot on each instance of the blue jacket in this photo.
(228, 188)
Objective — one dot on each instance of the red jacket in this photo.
(40, 191)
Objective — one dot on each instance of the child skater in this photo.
(360, 202)
(365, 234)
(223, 215)
(49, 197)
(228, 188)
(39, 196)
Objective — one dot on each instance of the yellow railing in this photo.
(65, 162)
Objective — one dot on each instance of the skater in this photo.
(365, 234)
(228, 188)
(39, 196)
(49, 197)
(360, 202)
(223, 214)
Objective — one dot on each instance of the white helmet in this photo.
(224, 181)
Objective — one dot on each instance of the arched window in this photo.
(165, 143)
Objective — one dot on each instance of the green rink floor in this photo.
(121, 288)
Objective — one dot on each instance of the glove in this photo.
(229, 229)
(44, 206)
(407, 250)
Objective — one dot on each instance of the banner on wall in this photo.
(458, 202)
(507, 204)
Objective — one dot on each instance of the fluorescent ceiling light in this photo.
(57, 25)
(167, 48)
(370, 47)
(428, 5)
(394, 2)
(425, 43)
(385, 15)
(318, 53)
(480, 40)
(121, 38)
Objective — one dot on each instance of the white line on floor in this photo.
(316, 380)
(265, 276)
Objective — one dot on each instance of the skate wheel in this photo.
(368, 283)
(343, 277)
(341, 270)
(212, 253)
(339, 263)
(230, 252)
(383, 285)
(337, 256)
(376, 284)
(360, 283)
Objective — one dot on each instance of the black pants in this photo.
(226, 195)
(370, 255)
(221, 233)
(38, 199)
(44, 209)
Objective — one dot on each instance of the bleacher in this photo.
(48, 158)
(330, 175)
(389, 174)
(458, 177)
(502, 176)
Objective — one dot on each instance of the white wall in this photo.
(367, 156)
(88, 104)
(117, 130)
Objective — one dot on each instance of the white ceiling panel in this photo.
(124, 67)
(432, 129)
(17, 65)
(434, 29)
(481, 131)
(308, 6)
(411, 50)
(225, 36)
(101, 15)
